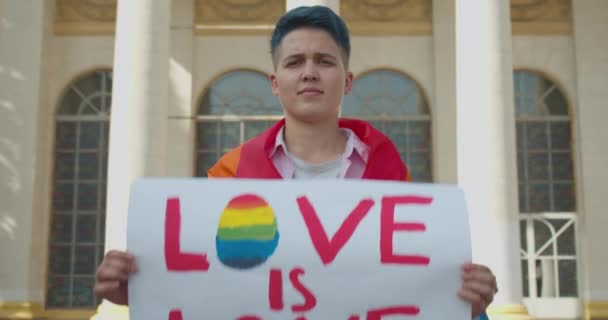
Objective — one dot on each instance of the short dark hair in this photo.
(319, 17)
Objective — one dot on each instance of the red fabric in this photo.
(384, 162)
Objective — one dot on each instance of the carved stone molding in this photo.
(237, 16)
(364, 17)
(541, 16)
(386, 17)
(85, 16)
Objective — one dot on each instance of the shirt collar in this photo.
(354, 145)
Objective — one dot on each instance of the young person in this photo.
(310, 50)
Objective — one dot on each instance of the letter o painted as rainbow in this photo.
(247, 235)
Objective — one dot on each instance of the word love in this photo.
(325, 246)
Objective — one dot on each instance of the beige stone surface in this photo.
(590, 34)
(20, 98)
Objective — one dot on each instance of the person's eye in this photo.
(327, 62)
(291, 63)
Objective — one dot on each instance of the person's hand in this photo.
(478, 287)
(111, 282)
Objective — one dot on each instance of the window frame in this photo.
(101, 149)
(547, 307)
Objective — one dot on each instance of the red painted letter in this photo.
(392, 311)
(327, 249)
(310, 301)
(175, 314)
(275, 290)
(388, 226)
(249, 318)
(174, 258)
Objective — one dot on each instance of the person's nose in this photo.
(310, 72)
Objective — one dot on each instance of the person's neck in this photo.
(314, 142)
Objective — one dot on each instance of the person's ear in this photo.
(348, 85)
(274, 86)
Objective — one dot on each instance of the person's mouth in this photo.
(310, 91)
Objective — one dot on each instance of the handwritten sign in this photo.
(259, 249)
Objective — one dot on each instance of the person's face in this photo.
(310, 75)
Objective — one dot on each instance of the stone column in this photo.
(333, 4)
(590, 28)
(180, 152)
(138, 124)
(22, 42)
(444, 102)
(486, 145)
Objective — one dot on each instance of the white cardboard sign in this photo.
(228, 249)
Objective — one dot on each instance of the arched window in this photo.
(235, 108)
(394, 104)
(544, 146)
(547, 199)
(79, 188)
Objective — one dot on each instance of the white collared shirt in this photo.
(350, 165)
